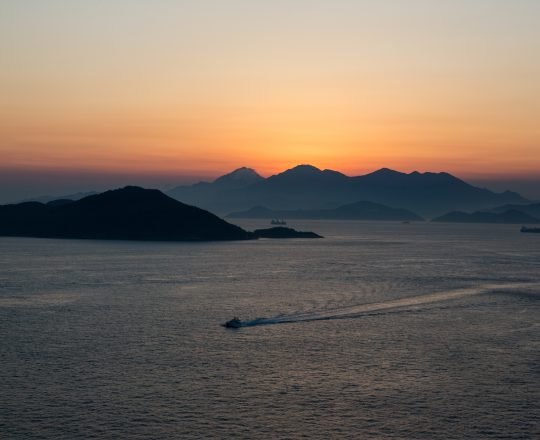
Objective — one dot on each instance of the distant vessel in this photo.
(526, 229)
(277, 221)
(233, 323)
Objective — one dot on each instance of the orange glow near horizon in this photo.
(212, 144)
(203, 89)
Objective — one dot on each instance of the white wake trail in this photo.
(358, 310)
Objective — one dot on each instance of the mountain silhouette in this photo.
(238, 178)
(532, 209)
(353, 211)
(308, 187)
(47, 199)
(208, 194)
(510, 216)
(130, 213)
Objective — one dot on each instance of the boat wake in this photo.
(397, 304)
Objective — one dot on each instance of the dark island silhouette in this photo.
(530, 230)
(307, 187)
(281, 232)
(511, 216)
(354, 211)
(130, 213)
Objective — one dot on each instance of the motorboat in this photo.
(233, 323)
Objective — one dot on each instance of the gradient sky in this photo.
(160, 92)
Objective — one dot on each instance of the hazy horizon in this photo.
(17, 186)
(154, 90)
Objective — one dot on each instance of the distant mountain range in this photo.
(130, 213)
(532, 209)
(307, 187)
(74, 196)
(511, 216)
(354, 211)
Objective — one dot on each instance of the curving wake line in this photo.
(359, 310)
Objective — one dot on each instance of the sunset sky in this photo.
(97, 93)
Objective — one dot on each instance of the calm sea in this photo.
(380, 330)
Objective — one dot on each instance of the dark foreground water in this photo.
(379, 331)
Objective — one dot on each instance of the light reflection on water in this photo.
(123, 339)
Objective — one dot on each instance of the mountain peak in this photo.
(243, 172)
(386, 172)
(306, 166)
(240, 177)
(441, 178)
(302, 170)
(308, 177)
(384, 176)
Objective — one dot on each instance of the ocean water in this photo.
(378, 331)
